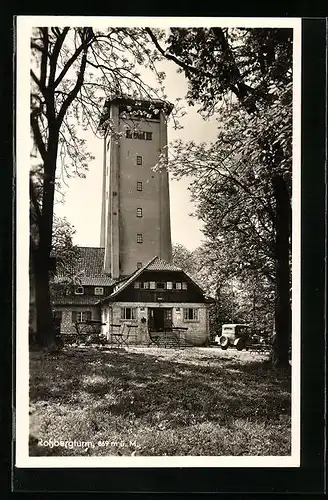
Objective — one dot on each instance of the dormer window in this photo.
(99, 290)
(161, 285)
(79, 290)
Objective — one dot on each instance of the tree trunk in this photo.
(280, 356)
(45, 334)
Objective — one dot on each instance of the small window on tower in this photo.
(139, 134)
(139, 238)
(139, 160)
(139, 186)
(139, 212)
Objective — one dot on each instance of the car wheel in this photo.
(224, 342)
(239, 344)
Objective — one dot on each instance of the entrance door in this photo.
(159, 318)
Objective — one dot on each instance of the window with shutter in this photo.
(190, 314)
(81, 316)
(128, 312)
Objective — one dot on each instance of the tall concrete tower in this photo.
(135, 217)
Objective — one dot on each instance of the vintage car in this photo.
(234, 335)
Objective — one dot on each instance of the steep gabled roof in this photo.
(89, 267)
(97, 281)
(91, 261)
(76, 300)
(155, 264)
(158, 264)
(123, 284)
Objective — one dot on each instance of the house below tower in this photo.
(91, 284)
(156, 298)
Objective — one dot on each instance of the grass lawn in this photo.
(154, 401)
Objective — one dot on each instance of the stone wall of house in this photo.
(196, 335)
(67, 325)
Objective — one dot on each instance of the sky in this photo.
(82, 206)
